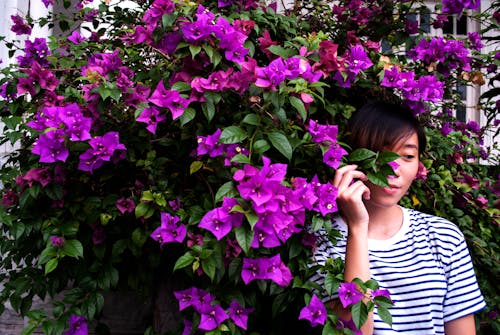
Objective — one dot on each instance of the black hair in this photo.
(378, 125)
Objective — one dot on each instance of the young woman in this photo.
(421, 259)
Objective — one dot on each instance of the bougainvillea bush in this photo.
(195, 143)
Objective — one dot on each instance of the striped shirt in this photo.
(426, 267)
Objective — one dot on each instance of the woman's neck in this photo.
(384, 222)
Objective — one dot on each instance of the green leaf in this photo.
(29, 329)
(384, 314)
(232, 134)
(194, 49)
(185, 260)
(51, 265)
(144, 209)
(227, 189)
(187, 116)
(209, 266)
(252, 119)
(139, 237)
(299, 106)
(244, 236)
(240, 158)
(387, 156)
(359, 314)
(260, 146)
(378, 178)
(47, 253)
(195, 166)
(332, 284)
(72, 248)
(281, 143)
(360, 155)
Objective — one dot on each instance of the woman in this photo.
(421, 259)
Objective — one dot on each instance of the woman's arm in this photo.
(351, 192)
(461, 326)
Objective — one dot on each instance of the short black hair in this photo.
(378, 125)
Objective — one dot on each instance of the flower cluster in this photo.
(210, 145)
(326, 137)
(211, 313)
(170, 230)
(266, 268)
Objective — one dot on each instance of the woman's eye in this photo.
(408, 156)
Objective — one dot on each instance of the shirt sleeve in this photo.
(463, 295)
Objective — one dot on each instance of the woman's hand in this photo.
(351, 193)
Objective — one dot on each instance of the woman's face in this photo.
(406, 172)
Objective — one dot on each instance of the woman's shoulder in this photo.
(434, 226)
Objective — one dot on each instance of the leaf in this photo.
(187, 116)
(299, 106)
(208, 265)
(252, 119)
(184, 261)
(72, 248)
(387, 156)
(227, 189)
(244, 237)
(260, 146)
(378, 178)
(332, 284)
(359, 314)
(232, 134)
(360, 155)
(280, 142)
(385, 315)
(51, 265)
(195, 166)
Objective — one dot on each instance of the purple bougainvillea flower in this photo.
(39, 175)
(50, 147)
(188, 326)
(20, 26)
(315, 312)
(76, 37)
(349, 294)
(239, 314)
(381, 292)
(220, 221)
(125, 205)
(170, 99)
(102, 148)
(77, 325)
(9, 198)
(48, 3)
(187, 297)
(151, 116)
(57, 241)
(348, 324)
(169, 230)
(211, 317)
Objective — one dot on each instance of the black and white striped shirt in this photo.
(426, 267)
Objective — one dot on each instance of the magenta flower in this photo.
(170, 99)
(381, 292)
(220, 221)
(169, 230)
(344, 324)
(57, 241)
(20, 26)
(187, 298)
(151, 116)
(239, 314)
(125, 205)
(77, 325)
(39, 175)
(76, 37)
(9, 198)
(349, 294)
(102, 149)
(212, 317)
(315, 312)
(50, 147)
(266, 268)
